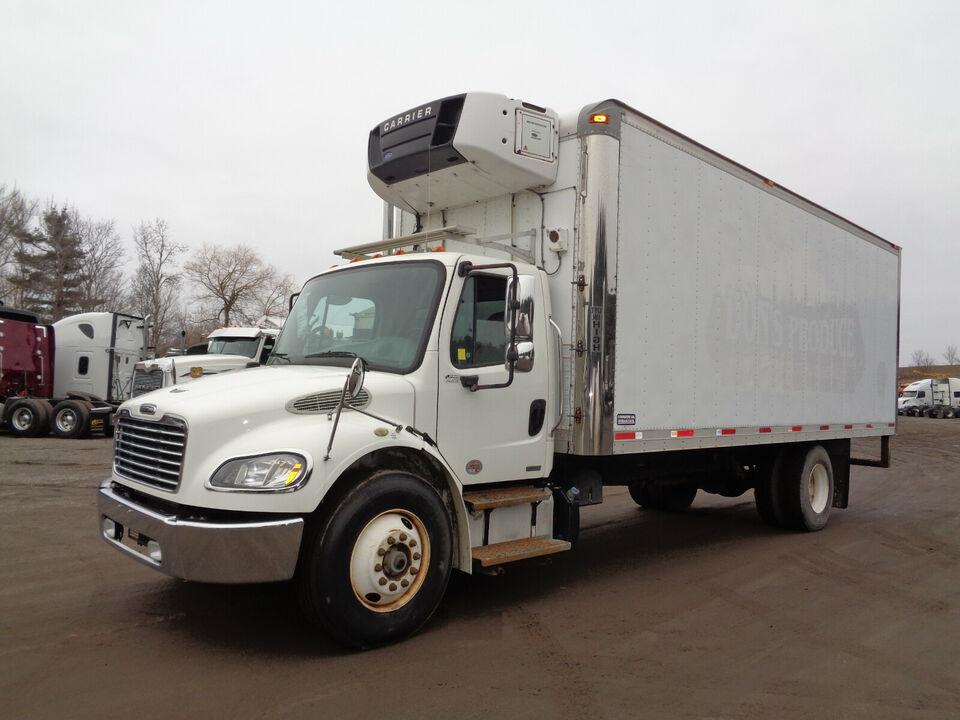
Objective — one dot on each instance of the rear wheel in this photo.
(672, 498)
(28, 417)
(804, 489)
(376, 563)
(71, 419)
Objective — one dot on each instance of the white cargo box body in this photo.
(701, 304)
(741, 309)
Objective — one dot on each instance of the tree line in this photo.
(56, 262)
(923, 359)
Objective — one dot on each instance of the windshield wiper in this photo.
(332, 354)
(281, 356)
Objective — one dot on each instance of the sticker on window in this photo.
(461, 354)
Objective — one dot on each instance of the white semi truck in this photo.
(932, 397)
(558, 304)
(230, 348)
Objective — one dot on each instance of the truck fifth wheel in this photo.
(557, 304)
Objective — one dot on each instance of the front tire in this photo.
(376, 563)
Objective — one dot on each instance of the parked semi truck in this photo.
(69, 377)
(931, 397)
(230, 348)
(559, 304)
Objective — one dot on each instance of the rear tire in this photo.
(71, 419)
(671, 498)
(375, 564)
(805, 489)
(28, 417)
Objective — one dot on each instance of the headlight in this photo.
(275, 472)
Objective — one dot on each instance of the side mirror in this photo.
(524, 310)
(355, 380)
(523, 356)
(292, 300)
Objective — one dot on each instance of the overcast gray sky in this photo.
(247, 121)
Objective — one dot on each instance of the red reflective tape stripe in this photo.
(766, 429)
(684, 433)
(625, 436)
(848, 427)
(824, 427)
(891, 424)
(869, 425)
(728, 431)
(796, 428)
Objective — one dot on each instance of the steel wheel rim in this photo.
(818, 488)
(22, 418)
(66, 420)
(379, 568)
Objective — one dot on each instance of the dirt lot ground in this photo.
(704, 615)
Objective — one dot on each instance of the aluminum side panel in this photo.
(737, 308)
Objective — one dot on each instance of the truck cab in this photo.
(938, 396)
(230, 348)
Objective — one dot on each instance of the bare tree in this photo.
(16, 215)
(156, 284)
(102, 284)
(951, 355)
(921, 359)
(236, 284)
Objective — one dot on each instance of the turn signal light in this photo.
(600, 119)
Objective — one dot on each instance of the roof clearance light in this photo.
(600, 119)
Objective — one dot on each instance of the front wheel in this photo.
(376, 563)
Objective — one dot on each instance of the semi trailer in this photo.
(558, 304)
(69, 377)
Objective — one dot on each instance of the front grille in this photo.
(146, 380)
(150, 452)
(326, 402)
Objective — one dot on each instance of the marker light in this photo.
(600, 119)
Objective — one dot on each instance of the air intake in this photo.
(325, 402)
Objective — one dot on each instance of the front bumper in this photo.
(214, 552)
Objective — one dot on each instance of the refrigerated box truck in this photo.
(558, 304)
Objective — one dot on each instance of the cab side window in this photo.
(268, 344)
(478, 339)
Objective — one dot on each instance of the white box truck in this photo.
(558, 304)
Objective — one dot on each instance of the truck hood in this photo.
(255, 396)
(181, 364)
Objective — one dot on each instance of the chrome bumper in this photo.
(214, 552)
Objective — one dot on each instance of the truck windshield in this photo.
(909, 393)
(247, 347)
(382, 313)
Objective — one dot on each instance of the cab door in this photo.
(498, 434)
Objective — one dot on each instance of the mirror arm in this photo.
(336, 420)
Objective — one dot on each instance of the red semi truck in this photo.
(69, 377)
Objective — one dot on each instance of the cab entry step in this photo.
(513, 550)
(504, 497)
